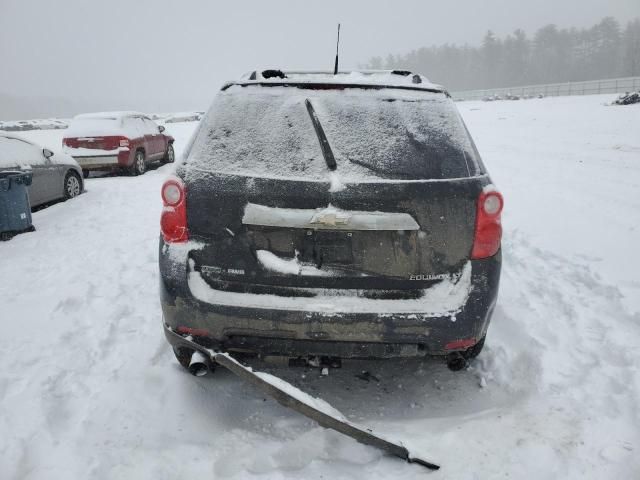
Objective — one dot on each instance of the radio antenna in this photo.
(335, 68)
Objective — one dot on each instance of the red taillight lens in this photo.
(488, 231)
(461, 344)
(173, 221)
(124, 142)
(70, 142)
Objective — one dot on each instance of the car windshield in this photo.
(387, 133)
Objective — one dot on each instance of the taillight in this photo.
(488, 232)
(111, 143)
(173, 221)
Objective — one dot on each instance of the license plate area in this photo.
(333, 247)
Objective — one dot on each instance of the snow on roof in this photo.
(110, 115)
(106, 123)
(15, 137)
(384, 78)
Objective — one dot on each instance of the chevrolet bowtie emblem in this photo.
(330, 218)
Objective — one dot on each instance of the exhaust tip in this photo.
(199, 365)
(456, 362)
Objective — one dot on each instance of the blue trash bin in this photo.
(15, 209)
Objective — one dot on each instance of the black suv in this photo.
(344, 215)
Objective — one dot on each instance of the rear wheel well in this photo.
(79, 175)
(72, 173)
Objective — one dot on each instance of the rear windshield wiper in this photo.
(322, 138)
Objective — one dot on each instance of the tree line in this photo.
(605, 50)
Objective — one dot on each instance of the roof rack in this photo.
(277, 73)
(403, 79)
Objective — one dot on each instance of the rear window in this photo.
(94, 126)
(373, 134)
(132, 127)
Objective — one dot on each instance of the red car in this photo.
(127, 141)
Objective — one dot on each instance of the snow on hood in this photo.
(18, 152)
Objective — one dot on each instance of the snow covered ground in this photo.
(90, 389)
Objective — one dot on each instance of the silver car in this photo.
(55, 176)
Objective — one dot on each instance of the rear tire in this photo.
(170, 156)
(72, 185)
(139, 164)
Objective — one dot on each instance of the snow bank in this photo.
(35, 124)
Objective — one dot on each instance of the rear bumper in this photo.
(352, 334)
(104, 162)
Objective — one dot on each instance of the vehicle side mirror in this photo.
(161, 128)
(47, 153)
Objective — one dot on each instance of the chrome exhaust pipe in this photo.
(199, 364)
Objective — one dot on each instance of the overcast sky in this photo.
(167, 55)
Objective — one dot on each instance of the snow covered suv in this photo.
(343, 215)
(117, 140)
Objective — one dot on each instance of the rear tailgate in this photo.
(94, 143)
(345, 188)
(379, 235)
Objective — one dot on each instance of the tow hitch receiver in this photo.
(289, 396)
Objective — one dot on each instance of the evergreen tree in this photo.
(552, 55)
